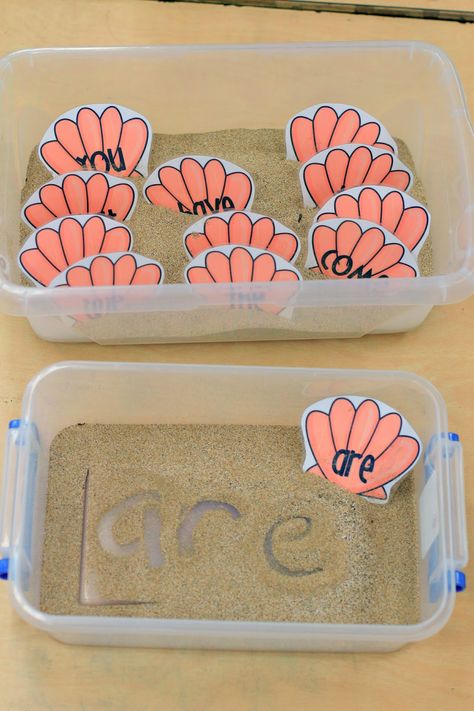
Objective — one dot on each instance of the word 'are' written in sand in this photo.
(149, 539)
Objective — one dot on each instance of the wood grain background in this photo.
(38, 673)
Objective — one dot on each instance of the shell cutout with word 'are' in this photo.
(337, 169)
(199, 185)
(391, 208)
(244, 228)
(360, 444)
(81, 193)
(325, 125)
(105, 137)
(117, 269)
(54, 247)
(357, 249)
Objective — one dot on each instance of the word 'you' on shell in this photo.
(105, 137)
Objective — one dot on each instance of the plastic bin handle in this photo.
(9, 484)
(458, 505)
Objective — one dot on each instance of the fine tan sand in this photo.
(158, 232)
(282, 544)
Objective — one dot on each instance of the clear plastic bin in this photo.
(67, 393)
(411, 87)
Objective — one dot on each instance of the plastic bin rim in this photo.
(19, 300)
(89, 624)
(241, 46)
(170, 366)
(413, 45)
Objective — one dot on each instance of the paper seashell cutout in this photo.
(117, 269)
(199, 185)
(233, 263)
(319, 127)
(348, 166)
(360, 444)
(81, 193)
(244, 228)
(103, 137)
(252, 270)
(395, 210)
(53, 247)
(357, 249)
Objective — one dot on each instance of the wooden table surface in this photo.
(432, 8)
(38, 673)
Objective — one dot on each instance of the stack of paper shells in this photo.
(235, 245)
(79, 238)
(367, 225)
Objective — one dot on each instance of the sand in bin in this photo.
(158, 233)
(282, 545)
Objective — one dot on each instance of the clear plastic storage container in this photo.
(412, 88)
(68, 393)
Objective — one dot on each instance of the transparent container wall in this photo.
(411, 87)
(96, 393)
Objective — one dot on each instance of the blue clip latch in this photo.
(460, 580)
(4, 568)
